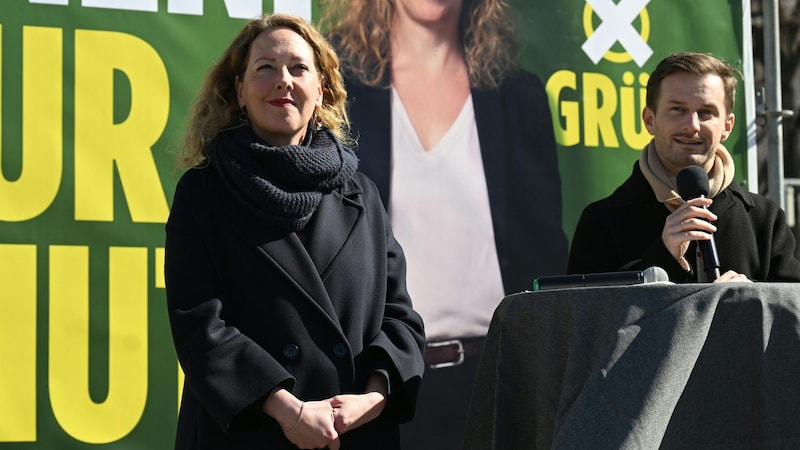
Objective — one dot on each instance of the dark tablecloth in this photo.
(641, 367)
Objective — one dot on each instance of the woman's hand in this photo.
(307, 425)
(314, 427)
(353, 410)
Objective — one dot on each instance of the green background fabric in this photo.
(93, 100)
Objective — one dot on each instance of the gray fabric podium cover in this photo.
(641, 367)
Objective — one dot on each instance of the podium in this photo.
(641, 367)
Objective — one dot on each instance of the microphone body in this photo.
(649, 275)
(693, 183)
(708, 251)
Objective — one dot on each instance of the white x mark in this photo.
(617, 25)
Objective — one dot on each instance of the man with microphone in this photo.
(645, 222)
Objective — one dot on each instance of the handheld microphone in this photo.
(649, 275)
(692, 183)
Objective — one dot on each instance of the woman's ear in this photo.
(238, 86)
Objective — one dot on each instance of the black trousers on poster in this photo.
(442, 408)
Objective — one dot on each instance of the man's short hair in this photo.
(697, 64)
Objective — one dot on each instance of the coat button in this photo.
(291, 351)
(340, 350)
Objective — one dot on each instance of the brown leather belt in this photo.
(452, 352)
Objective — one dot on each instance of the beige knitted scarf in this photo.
(664, 185)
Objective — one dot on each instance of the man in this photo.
(645, 223)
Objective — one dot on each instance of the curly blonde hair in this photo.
(216, 107)
(358, 27)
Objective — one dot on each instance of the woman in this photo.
(460, 143)
(285, 287)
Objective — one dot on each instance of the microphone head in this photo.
(653, 274)
(692, 182)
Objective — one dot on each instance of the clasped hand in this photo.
(318, 424)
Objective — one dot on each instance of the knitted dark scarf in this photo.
(284, 184)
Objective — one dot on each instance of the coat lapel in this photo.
(330, 229)
(284, 249)
(289, 255)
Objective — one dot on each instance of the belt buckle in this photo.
(459, 350)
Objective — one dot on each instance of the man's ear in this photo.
(728, 127)
(648, 117)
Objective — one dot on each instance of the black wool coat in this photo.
(623, 232)
(252, 307)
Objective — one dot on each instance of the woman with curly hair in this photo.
(285, 286)
(460, 142)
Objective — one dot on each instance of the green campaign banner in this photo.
(595, 56)
(93, 100)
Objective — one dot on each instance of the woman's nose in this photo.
(284, 79)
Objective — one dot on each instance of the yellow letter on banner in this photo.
(600, 104)
(100, 144)
(633, 130)
(17, 343)
(570, 133)
(42, 123)
(78, 415)
(160, 283)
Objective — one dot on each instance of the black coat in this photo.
(519, 160)
(252, 307)
(623, 231)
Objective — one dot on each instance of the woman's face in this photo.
(280, 88)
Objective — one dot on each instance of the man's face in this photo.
(689, 121)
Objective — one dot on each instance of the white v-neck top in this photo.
(440, 214)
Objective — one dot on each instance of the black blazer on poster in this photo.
(518, 148)
(252, 307)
